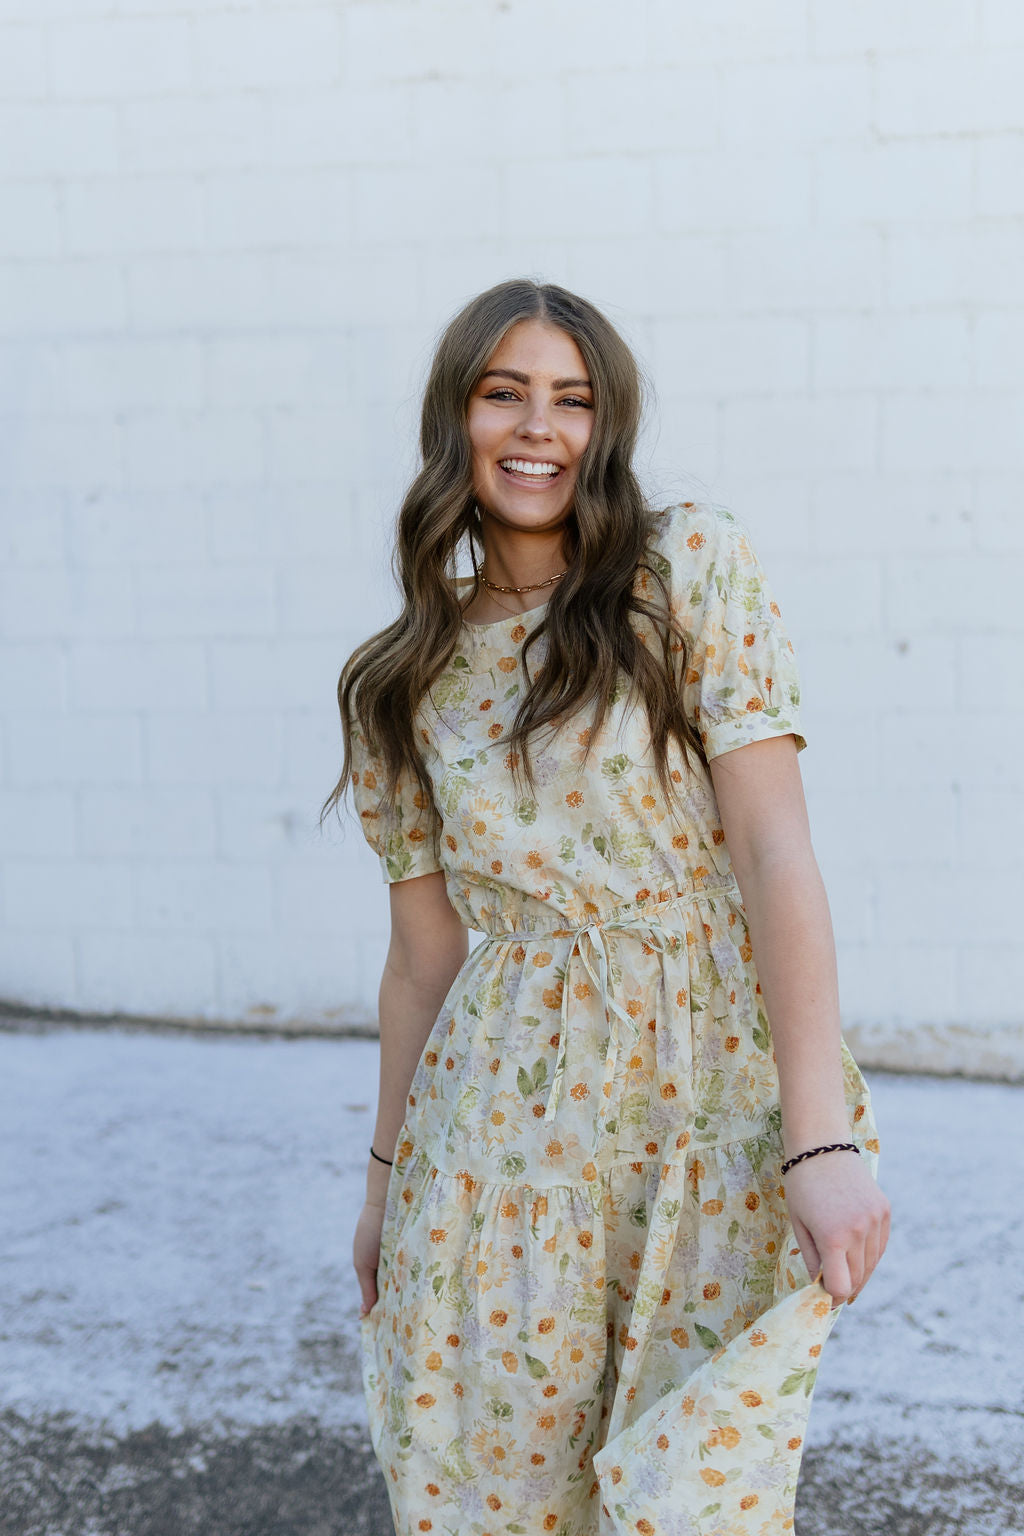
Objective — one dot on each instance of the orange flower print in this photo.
(494, 1452)
(576, 1356)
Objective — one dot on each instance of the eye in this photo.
(504, 391)
(576, 400)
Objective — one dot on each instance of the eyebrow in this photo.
(524, 378)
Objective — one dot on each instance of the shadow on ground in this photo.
(299, 1480)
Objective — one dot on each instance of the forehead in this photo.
(542, 351)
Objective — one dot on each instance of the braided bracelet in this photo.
(378, 1157)
(837, 1146)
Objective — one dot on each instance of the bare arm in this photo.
(840, 1217)
(429, 943)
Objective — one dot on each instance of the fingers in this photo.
(368, 1287)
(875, 1244)
(835, 1274)
(811, 1257)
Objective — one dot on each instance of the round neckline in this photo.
(512, 618)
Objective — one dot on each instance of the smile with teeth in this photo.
(541, 470)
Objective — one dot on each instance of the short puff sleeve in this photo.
(406, 839)
(742, 682)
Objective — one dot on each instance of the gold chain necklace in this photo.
(536, 586)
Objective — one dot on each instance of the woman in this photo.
(586, 1273)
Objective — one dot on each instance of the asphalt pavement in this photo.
(178, 1311)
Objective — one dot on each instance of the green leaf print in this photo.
(600, 846)
(631, 849)
(398, 863)
(635, 1109)
(456, 1462)
(760, 1038)
(589, 1307)
(749, 590)
(526, 813)
(708, 1511)
(796, 1380)
(512, 1165)
(616, 767)
(567, 850)
(563, 1265)
(767, 1431)
(710, 1091)
(707, 1336)
(450, 791)
(638, 1215)
(537, 1369)
(528, 1085)
(450, 688)
(657, 562)
(497, 1407)
(464, 1106)
(489, 997)
(733, 1232)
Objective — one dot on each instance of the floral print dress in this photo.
(592, 1314)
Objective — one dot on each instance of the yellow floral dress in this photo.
(592, 1315)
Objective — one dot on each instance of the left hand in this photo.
(840, 1218)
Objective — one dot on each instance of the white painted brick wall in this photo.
(228, 234)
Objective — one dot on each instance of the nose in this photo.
(535, 422)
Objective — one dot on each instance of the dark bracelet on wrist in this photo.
(378, 1157)
(837, 1146)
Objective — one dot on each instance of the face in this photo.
(530, 418)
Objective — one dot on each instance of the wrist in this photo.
(799, 1135)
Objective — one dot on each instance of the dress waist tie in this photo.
(590, 944)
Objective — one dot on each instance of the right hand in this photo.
(366, 1253)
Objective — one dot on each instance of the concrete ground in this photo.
(178, 1312)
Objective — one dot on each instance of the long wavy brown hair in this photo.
(592, 647)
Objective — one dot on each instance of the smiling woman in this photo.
(527, 437)
(622, 1173)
